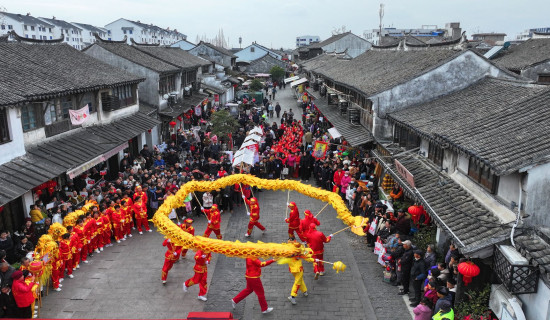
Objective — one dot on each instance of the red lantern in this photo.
(36, 267)
(180, 118)
(172, 123)
(149, 130)
(416, 211)
(38, 192)
(468, 270)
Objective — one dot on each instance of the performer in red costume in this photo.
(254, 283)
(293, 221)
(316, 241)
(187, 227)
(172, 255)
(140, 211)
(117, 218)
(214, 221)
(254, 216)
(202, 260)
(140, 193)
(305, 223)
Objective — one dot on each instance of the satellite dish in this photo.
(165, 96)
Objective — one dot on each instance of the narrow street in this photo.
(124, 280)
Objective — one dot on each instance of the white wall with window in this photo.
(11, 135)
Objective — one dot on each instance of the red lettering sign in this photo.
(403, 172)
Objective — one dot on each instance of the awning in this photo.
(287, 80)
(188, 103)
(97, 160)
(355, 135)
(298, 82)
(262, 75)
(69, 152)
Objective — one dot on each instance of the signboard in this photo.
(404, 173)
(320, 149)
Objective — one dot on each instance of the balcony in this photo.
(57, 128)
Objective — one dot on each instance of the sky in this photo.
(276, 24)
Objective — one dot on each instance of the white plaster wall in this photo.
(34, 136)
(537, 203)
(508, 188)
(424, 147)
(536, 305)
(117, 34)
(463, 164)
(449, 160)
(353, 44)
(16, 147)
(503, 212)
(452, 76)
(27, 201)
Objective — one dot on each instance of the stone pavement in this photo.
(124, 280)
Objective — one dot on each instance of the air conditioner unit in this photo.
(505, 305)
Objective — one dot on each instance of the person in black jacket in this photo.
(7, 303)
(406, 262)
(305, 166)
(418, 273)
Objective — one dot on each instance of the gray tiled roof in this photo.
(141, 58)
(61, 23)
(28, 20)
(473, 226)
(376, 71)
(219, 49)
(48, 160)
(175, 56)
(89, 27)
(530, 52)
(41, 71)
(498, 130)
(328, 41)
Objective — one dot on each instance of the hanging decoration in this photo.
(468, 270)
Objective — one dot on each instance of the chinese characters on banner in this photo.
(320, 149)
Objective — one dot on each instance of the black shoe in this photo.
(402, 293)
(413, 305)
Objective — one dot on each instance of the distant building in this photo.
(184, 44)
(452, 30)
(304, 41)
(530, 59)
(88, 31)
(489, 38)
(218, 55)
(346, 42)
(142, 33)
(26, 26)
(72, 34)
(255, 51)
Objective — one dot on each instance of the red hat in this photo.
(16, 274)
(307, 212)
(312, 226)
(214, 206)
(188, 220)
(253, 199)
(292, 204)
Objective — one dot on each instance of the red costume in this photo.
(187, 227)
(201, 272)
(106, 232)
(293, 221)
(58, 264)
(76, 244)
(83, 250)
(172, 255)
(141, 194)
(306, 222)
(126, 214)
(253, 282)
(254, 216)
(316, 241)
(214, 221)
(140, 211)
(117, 219)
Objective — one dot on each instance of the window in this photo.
(50, 113)
(4, 128)
(32, 28)
(50, 30)
(26, 28)
(544, 78)
(482, 176)
(124, 31)
(252, 49)
(66, 105)
(29, 117)
(130, 31)
(67, 39)
(406, 138)
(3, 27)
(33, 36)
(167, 84)
(51, 37)
(435, 153)
(10, 27)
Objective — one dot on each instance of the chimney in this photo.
(28, 14)
(53, 18)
